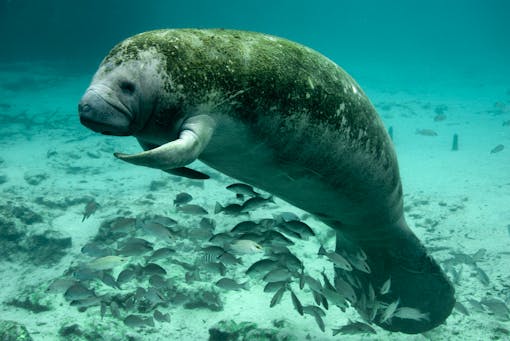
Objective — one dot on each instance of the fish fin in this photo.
(187, 173)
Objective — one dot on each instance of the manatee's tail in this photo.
(406, 290)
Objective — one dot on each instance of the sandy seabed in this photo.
(456, 202)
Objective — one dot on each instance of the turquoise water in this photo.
(433, 70)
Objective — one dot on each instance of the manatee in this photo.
(284, 118)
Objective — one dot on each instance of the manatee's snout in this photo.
(102, 117)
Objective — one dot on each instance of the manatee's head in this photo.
(124, 91)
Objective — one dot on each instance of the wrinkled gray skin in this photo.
(283, 118)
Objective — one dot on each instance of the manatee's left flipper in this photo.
(194, 136)
(188, 173)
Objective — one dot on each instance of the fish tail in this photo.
(322, 251)
(218, 208)
(245, 285)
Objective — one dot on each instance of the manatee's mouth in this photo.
(103, 117)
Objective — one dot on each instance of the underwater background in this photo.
(433, 70)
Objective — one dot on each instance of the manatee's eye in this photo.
(127, 87)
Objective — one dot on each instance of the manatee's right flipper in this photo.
(194, 136)
(185, 172)
(417, 281)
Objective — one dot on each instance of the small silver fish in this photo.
(262, 266)
(96, 250)
(163, 220)
(385, 288)
(313, 284)
(461, 308)
(334, 297)
(114, 308)
(497, 307)
(135, 247)
(338, 260)
(158, 281)
(296, 303)
(277, 297)
(130, 302)
(138, 321)
(60, 285)
(123, 225)
(482, 276)
(159, 316)
(360, 264)
(161, 253)
(287, 259)
(86, 274)
(354, 328)
(231, 209)
(102, 309)
(213, 250)
(245, 226)
(221, 238)
(389, 312)
(477, 306)
(215, 267)
(106, 262)
(245, 246)
(153, 269)
(286, 216)
(275, 238)
(275, 286)
(277, 275)
(108, 279)
(256, 202)
(192, 209)
(207, 223)
(229, 259)
(371, 294)
(78, 292)
(86, 302)
(300, 228)
(140, 293)
(230, 284)
(497, 149)
(411, 314)
(182, 198)
(157, 230)
(345, 289)
(426, 132)
(125, 276)
(154, 296)
(310, 309)
(439, 117)
(90, 208)
(239, 188)
(318, 320)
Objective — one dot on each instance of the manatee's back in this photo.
(318, 123)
